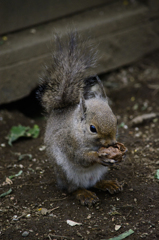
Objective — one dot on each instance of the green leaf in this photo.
(33, 132)
(22, 131)
(6, 193)
(157, 174)
(25, 155)
(122, 125)
(122, 236)
(16, 132)
(16, 175)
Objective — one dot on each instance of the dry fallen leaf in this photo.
(44, 211)
(8, 181)
(72, 223)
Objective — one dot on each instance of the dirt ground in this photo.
(36, 209)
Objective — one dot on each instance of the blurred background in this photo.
(124, 32)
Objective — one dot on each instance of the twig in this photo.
(57, 236)
(52, 209)
(49, 237)
(129, 213)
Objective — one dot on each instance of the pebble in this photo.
(139, 134)
(25, 234)
(89, 216)
(51, 215)
(125, 127)
(42, 148)
(117, 227)
(3, 145)
(15, 218)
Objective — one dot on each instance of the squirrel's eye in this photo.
(93, 129)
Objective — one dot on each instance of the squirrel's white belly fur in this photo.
(84, 177)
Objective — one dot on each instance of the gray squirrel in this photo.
(79, 119)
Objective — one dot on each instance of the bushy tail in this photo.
(63, 81)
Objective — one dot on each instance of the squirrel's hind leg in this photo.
(85, 196)
(112, 186)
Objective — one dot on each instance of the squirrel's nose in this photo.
(108, 142)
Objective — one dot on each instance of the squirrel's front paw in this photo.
(112, 186)
(86, 197)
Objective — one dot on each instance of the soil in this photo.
(37, 209)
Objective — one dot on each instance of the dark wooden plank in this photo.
(96, 22)
(18, 14)
(123, 34)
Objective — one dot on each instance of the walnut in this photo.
(112, 153)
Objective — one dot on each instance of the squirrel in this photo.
(79, 119)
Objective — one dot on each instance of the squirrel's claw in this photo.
(112, 186)
(86, 197)
(107, 161)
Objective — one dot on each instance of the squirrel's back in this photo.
(65, 80)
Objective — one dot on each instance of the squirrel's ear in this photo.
(94, 87)
(82, 108)
(103, 94)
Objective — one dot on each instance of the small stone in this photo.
(42, 148)
(125, 127)
(51, 215)
(3, 145)
(155, 120)
(15, 218)
(25, 234)
(117, 227)
(38, 168)
(139, 134)
(89, 216)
